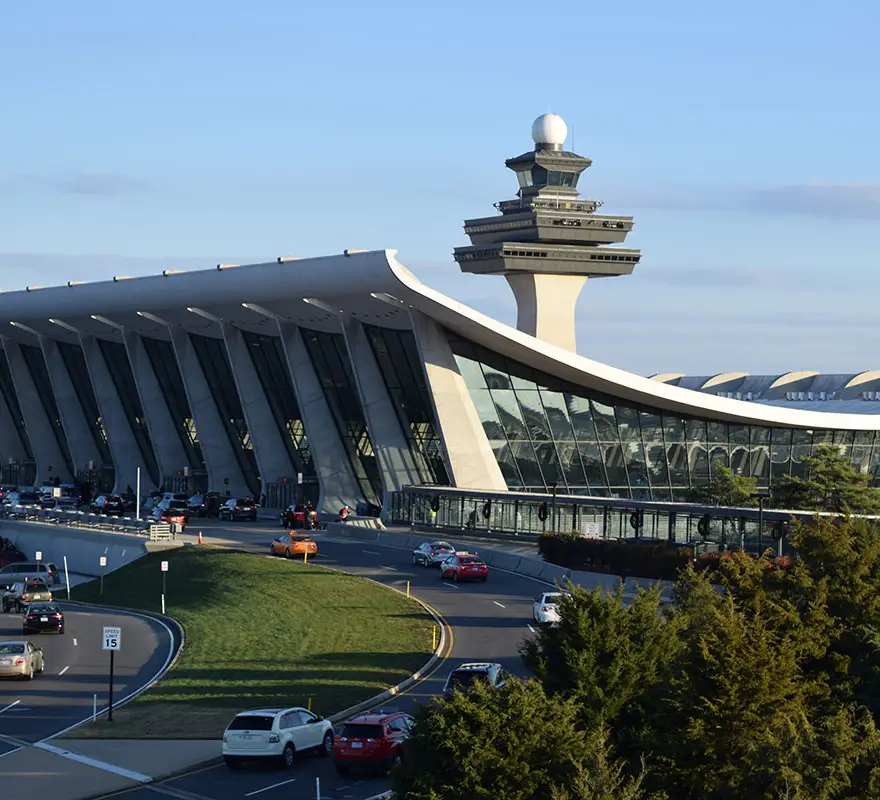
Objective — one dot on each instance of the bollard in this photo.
(94, 707)
(434, 639)
(305, 556)
(407, 588)
(309, 704)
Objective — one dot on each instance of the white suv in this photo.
(545, 609)
(276, 733)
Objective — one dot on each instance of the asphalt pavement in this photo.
(76, 670)
(488, 622)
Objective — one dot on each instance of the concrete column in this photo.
(545, 306)
(76, 427)
(397, 465)
(271, 453)
(221, 462)
(127, 456)
(469, 457)
(47, 452)
(170, 453)
(337, 481)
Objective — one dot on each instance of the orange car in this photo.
(294, 544)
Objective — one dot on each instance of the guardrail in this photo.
(88, 521)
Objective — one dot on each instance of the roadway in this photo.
(76, 670)
(488, 622)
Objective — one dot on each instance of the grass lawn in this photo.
(260, 632)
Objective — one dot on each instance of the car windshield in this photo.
(251, 723)
(442, 546)
(470, 560)
(177, 505)
(37, 585)
(468, 677)
(551, 599)
(357, 730)
(245, 502)
(42, 609)
(7, 649)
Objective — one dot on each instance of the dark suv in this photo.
(108, 504)
(205, 505)
(237, 508)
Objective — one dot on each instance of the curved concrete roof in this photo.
(375, 288)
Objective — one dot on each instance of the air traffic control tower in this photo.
(547, 242)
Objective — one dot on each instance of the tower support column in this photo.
(545, 306)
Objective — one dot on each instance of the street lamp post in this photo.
(762, 495)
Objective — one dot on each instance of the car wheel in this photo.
(396, 759)
(287, 553)
(30, 673)
(232, 763)
(425, 563)
(484, 579)
(42, 665)
(455, 576)
(341, 769)
(61, 630)
(288, 756)
(326, 748)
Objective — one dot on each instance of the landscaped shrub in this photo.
(614, 556)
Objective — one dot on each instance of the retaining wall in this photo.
(83, 548)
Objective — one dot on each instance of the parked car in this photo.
(294, 544)
(41, 617)
(276, 733)
(22, 570)
(464, 676)
(377, 740)
(464, 567)
(21, 660)
(167, 512)
(23, 593)
(237, 508)
(299, 515)
(109, 504)
(545, 609)
(205, 505)
(432, 554)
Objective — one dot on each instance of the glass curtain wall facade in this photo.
(269, 362)
(164, 364)
(75, 364)
(398, 358)
(330, 359)
(215, 365)
(545, 431)
(11, 398)
(36, 366)
(116, 358)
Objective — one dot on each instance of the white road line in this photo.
(273, 786)
(499, 604)
(372, 552)
(11, 705)
(94, 762)
(64, 670)
(450, 585)
(530, 628)
(394, 569)
(74, 642)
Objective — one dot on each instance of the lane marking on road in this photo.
(530, 628)
(450, 585)
(74, 642)
(11, 705)
(267, 788)
(139, 777)
(64, 670)
(499, 604)
(372, 552)
(385, 566)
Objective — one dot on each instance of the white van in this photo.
(22, 570)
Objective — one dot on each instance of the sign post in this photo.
(102, 562)
(299, 486)
(137, 500)
(112, 642)
(39, 555)
(164, 573)
(67, 577)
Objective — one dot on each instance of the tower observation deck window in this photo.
(544, 430)
(555, 178)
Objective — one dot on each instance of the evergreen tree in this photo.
(514, 742)
(831, 483)
(726, 488)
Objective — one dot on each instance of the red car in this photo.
(464, 567)
(173, 516)
(376, 740)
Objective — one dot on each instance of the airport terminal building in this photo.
(349, 377)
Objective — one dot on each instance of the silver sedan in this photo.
(20, 660)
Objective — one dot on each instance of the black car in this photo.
(237, 508)
(108, 504)
(43, 617)
(205, 505)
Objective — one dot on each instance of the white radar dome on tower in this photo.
(549, 129)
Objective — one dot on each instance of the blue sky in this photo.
(742, 137)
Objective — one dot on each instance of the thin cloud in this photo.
(105, 184)
(854, 201)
